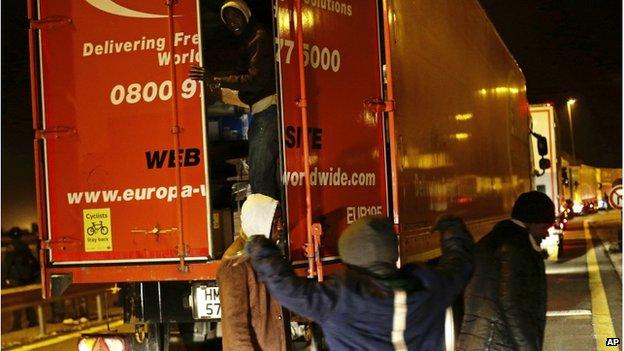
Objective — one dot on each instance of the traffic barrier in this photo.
(26, 296)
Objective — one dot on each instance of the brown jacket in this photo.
(256, 69)
(250, 318)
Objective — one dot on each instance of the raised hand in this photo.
(197, 73)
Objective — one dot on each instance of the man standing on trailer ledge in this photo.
(372, 305)
(505, 301)
(255, 84)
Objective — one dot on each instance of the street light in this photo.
(569, 104)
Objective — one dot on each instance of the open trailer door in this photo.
(120, 140)
(342, 72)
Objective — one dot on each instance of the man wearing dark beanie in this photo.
(370, 304)
(505, 301)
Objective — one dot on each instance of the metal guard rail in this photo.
(30, 296)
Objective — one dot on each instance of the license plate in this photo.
(206, 304)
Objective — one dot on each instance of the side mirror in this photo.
(542, 148)
(544, 163)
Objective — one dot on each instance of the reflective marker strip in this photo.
(601, 316)
(449, 330)
(399, 320)
(65, 337)
(566, 270)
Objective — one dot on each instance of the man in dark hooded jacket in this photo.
(505, 301)
(371, 305)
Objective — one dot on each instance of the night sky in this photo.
(18, 175)
(568, 48)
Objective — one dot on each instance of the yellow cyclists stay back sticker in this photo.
(98, 234)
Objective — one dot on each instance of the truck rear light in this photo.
(102, 343)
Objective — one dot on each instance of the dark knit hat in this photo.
(369, 241)
(534, 207)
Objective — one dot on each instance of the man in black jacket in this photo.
(22, 269)
(505, 301)
(372, 305)
(255, 84)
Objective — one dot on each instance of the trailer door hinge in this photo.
(317, 234)
(61, 243)
(183, 251)
(54, 133)
(379, 105)
(50, 22)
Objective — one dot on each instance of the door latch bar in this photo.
(50, 22)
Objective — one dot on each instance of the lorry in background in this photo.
(543, 123)
(546, 179)
(406, 109)
(586, 194)
(610, 178)
(587, 188)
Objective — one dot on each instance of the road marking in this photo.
(566, 313)
(601, 316)
(64, 337)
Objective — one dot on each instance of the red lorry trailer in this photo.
(409, 109)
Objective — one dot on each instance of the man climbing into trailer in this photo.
(255, 83)
(251, 318)
(505, 301)
(372, 305)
